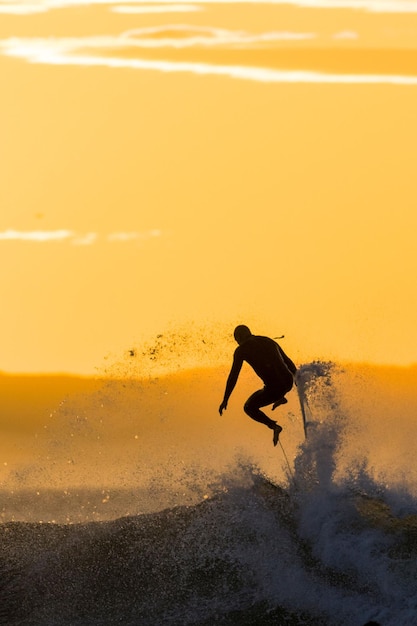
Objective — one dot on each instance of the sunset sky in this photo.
(204, 164)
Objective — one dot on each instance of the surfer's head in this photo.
(242, 333)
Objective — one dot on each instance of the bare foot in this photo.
(277, 430)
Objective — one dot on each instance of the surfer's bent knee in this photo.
(247, 407)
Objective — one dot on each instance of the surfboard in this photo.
(303, 411)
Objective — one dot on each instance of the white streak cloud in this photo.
(67, 52)
(76, 239)
(144, 9)
(184, 36)
(84, 240)
(35, 235)
(131, 236)
(25, 7)
(346, 35)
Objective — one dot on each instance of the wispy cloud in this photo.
(84, 240)
(123, 50)
(71, 51)
(76, 239)
(371, 6)
(23, 7)
(162, 8)
(26, 7)
(35, 235)
(131, 236)
(185, 36)
(346, 34)
(66, 50)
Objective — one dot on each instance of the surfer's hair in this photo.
(242, 333)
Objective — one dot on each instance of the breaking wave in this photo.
(330, 544)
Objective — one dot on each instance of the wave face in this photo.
(256, 554)
(335, 544)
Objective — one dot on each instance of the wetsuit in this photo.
(272, 365)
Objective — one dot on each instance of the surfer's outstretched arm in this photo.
(231, 381)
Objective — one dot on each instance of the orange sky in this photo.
(135, 199)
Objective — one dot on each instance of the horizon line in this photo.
(92, 375)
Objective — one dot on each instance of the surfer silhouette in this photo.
(272, 365)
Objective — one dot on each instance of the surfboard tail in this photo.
(303, 410)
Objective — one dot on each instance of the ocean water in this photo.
(319, 531)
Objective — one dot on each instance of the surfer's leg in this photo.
(260, 398)
(281, 399)
(264, 397)
(279, 402)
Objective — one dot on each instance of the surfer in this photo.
(272, 365)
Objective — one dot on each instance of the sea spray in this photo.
(325, 548)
